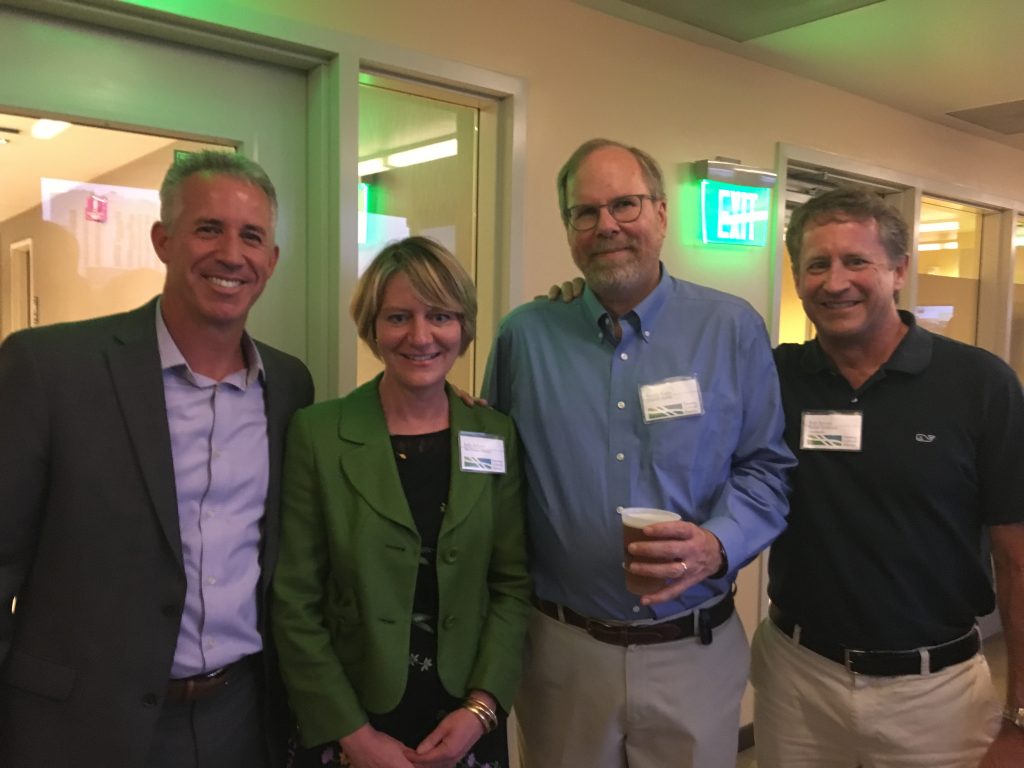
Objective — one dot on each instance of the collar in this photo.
(171, 357)
(361, 416)
(911, 355)
(641, 317)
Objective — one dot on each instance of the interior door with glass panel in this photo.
(418, 174)
(949, 268)
(1017, 321)
(76, 208)
(76, 214)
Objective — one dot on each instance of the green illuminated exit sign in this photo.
(733, 214)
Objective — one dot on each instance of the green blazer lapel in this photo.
(366, 458)
(466, 487)
(134, 361)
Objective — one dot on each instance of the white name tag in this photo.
(479, 452)
(671, 399)
(831, 430)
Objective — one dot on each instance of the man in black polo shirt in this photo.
(909, 444)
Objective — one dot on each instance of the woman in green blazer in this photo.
(401, 593)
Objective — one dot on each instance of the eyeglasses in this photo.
(623, 209)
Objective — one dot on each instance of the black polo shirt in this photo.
(882, 548)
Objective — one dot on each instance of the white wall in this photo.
(589, 74)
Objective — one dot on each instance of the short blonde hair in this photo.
(437, 279)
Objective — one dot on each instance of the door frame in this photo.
(19, 263)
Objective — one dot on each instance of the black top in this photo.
(883, 545)
(424, 468)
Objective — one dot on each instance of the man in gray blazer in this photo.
(139, 490)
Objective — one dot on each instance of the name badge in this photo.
(671, 399)
(479, 452)
(831, 430)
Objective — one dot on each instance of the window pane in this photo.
(948, 265)
(76, 209)
(1017, 334)
(418, 168)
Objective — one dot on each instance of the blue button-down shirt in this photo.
(574, 393)
(221, 469)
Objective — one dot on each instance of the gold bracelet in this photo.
(488, 717)
(479, 716)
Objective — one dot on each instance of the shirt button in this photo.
(451, 555)
(449, 622)
(620, 405)
(619, 509)
(211, 580)
(620, 456)
(624, 356)
(647, 334)
(636, 609)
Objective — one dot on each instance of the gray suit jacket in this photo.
(89, 539)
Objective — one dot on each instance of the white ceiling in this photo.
(926, 57)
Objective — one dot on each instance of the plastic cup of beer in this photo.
(634, 520)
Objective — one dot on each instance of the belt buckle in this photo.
(596, 628)
(214, 674)
(849, 655)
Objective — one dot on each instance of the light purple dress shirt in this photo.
(221, 468)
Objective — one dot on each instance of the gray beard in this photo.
(612, 280)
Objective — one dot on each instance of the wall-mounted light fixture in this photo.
(735, 202)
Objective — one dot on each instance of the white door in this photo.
(102, 77)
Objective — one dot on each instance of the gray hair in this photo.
(648, 166)
(210, 162)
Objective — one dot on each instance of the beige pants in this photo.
(588, 704)
(810, 712)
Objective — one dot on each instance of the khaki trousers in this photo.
(667, 705)
(810, 712)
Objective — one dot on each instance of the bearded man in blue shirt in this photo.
(614, 680)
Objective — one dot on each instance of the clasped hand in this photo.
(442, 748)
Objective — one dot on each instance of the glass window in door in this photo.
(949, 266)
(418, 157)
(1017, 332)
(76, 207)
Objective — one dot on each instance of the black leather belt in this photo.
(205, 685)
(699, 623)
(920, 661)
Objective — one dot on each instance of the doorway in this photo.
(95, 77)
(77, 212)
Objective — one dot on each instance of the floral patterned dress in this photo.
(424, 467)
